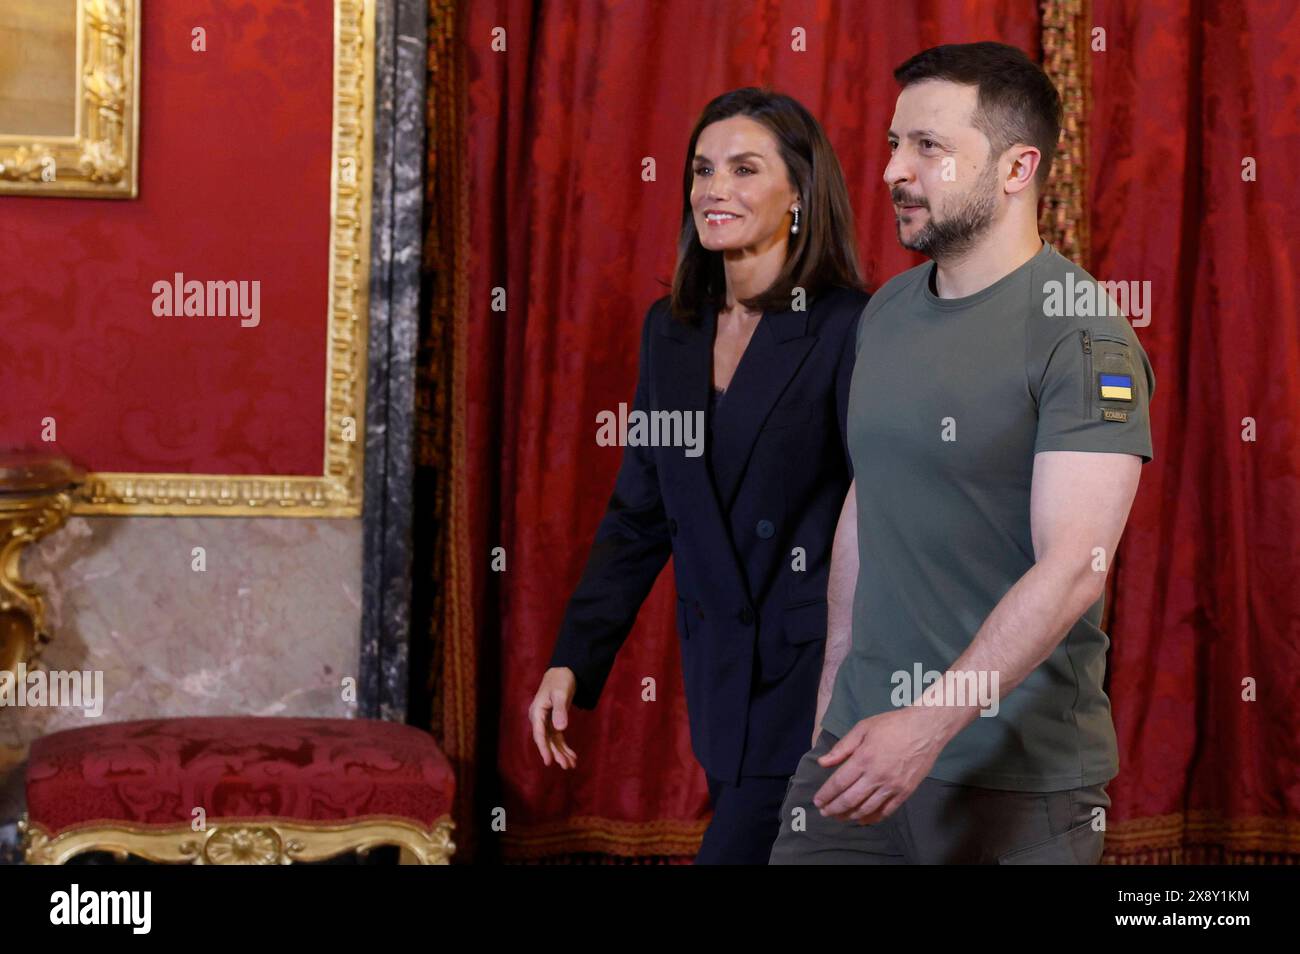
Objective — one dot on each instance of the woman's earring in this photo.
(794, 229)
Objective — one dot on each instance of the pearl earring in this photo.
(794, 229)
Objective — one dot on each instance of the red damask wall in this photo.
(234, 186)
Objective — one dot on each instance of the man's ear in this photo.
(1024, 165)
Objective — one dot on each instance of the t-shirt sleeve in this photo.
(1093, 389)
(862, 321)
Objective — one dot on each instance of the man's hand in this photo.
(549, 716)
(884, 759)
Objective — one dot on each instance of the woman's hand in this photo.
(549, 716)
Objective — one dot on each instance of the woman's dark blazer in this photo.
(751, 554)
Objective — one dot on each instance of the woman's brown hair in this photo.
(821, 255)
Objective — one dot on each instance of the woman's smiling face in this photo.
(741, 194)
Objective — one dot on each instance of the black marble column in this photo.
(401, 39)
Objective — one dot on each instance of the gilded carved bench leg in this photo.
(240, 843)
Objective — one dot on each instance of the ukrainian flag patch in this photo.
(1116, 387)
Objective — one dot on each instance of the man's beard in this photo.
(958, 231)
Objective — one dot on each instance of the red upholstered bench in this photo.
(270, 790)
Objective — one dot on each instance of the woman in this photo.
(759, 334)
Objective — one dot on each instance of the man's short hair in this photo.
(1017, 102)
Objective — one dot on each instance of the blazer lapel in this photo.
(774, 353)
(684, 385)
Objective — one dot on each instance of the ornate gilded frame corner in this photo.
(241, 842)
(337, 492)
(24, 632)
(1066, 35)
(101, 159)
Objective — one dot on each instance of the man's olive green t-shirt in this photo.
(950, 401)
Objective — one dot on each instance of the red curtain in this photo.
(1205, 580)
(557, 214)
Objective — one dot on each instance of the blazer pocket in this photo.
(788, 416)
(806, 622)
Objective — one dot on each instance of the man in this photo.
(997, 423)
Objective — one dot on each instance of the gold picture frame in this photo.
(83, 141)
(337, 491)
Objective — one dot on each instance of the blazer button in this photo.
(672, 527)
(764, 529)
(746, 615)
